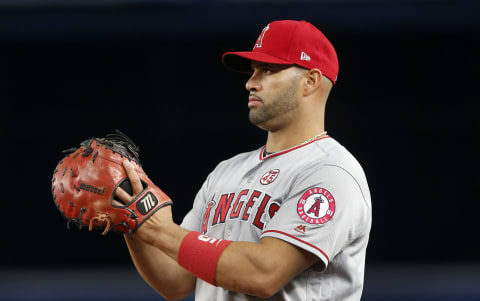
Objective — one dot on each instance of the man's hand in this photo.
(160, 219)
(135, 182)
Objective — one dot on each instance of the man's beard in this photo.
(282, 104)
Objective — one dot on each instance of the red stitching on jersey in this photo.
(261, 153)
(291, 236)
(288, 150)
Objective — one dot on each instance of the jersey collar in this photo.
(261, 157)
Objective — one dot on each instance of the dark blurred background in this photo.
(406, 105)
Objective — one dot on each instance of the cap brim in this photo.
(241, 61)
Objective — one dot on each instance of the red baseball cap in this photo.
(291, 43)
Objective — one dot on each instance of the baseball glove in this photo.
(86, 179)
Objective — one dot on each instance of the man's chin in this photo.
(254, 119)
(258, 122)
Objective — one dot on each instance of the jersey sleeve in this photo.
(323, 212)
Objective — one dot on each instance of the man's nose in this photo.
(253, 83)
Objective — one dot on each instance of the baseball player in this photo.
(287, 221)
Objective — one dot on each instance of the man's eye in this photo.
(266, 70)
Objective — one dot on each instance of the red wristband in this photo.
(199, 255)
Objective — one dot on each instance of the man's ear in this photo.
(312, 82)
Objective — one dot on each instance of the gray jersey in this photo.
(314, 196)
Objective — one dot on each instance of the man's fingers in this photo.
(117, 203)
(123, 196)
(133, 177)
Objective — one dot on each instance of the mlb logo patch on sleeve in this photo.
(316, 206)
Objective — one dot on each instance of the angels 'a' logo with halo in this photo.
(316, 206)
(259, 42)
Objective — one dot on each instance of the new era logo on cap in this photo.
(288, 42)
(304, 56)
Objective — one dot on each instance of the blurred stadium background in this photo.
(406, 105)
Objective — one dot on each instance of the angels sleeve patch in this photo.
(316, 206)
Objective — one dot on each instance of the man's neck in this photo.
(284, 139)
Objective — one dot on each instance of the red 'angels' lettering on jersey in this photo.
(316, 206)
(222, 208)
(226, 208)
(206, 216)
(250, 203)
(257, 221)
(238, 204)
(273, 209)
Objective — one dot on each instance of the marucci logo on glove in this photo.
(147, 203)
(91, 188)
